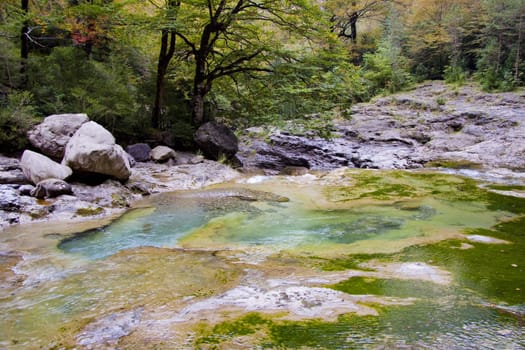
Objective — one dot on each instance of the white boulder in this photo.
(37, 167)
(52, 135)
(92, 149)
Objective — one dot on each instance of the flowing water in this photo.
(350, 259)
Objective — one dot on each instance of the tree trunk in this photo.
(353, 27)
(200, 90)
(24, 46)
(517, 61)
(197, 110)
(166, 54)
(201, 84)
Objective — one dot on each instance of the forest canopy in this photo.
(159, 69)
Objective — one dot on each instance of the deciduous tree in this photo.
(228, 37)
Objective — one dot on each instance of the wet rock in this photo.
(51, 188)
(216, 140)
(37, 167)
(162, 154)
(92, 149)
(106, 332)
(294, 171)
(139, 151)
(131, 160)
(486, 239)
(52, 135)
(139, 188)
(111, 195)
(285, 150)
(9, 198)
(188, 158)
(11, 172)
(25, 190)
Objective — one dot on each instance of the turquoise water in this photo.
(357, 260)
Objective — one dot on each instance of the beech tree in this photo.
(166, 52)
(228, 37)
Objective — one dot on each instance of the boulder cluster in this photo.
(75, 169)
(72, 146)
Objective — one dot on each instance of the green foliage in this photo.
(385, 71)
(455, 75)
(298, 94)
(16, 117)
(68, 81)
(274, 63)
(500, 64)
(494, 76)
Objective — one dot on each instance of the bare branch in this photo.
(187, 42)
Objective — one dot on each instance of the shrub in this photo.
(16, 117)
(455, 75)
(68, 81)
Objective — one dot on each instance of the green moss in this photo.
(506, 187)
(491, 271)
(395, 185)
(118, 200)
(391, 287)
(321, 334)
(89, 211)
(511, 204)
(453, 164)
(38, 214)
(387, 187)
(352, 262)
(228, 330)
(408, 326)
(494, 271)
(389, 191)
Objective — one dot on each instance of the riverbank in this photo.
(106, 199)
(475, 133)
(435, 124)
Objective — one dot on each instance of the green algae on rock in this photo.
(354, 259)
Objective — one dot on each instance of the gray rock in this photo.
(25, 190)
(162, 154)
(9, 198)
(139, 151)
(284, 150)
(406, 130)
(51, 188)
(37, 167)
(52, 135)
(92, 149)
(106, 332)
(131, 160)
(216, 140)
(188, 158)
(10, 171)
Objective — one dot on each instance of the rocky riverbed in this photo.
(433, 125)
(103, 200)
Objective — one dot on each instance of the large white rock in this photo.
(92, 149)
(52, 135)
(37, 167)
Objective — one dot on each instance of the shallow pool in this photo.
(341, 260)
